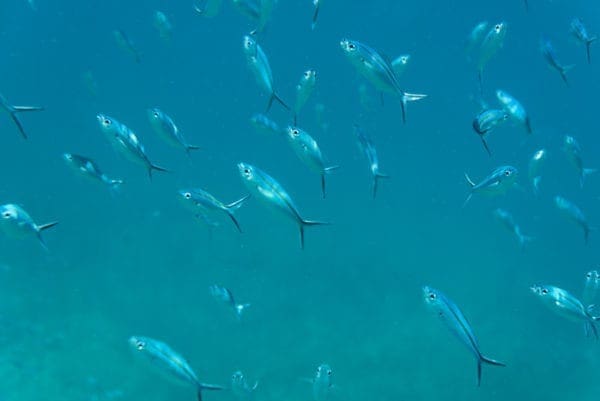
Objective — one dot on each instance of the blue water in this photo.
(139, 263)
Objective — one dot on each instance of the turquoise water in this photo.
(139, 263)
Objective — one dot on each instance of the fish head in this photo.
(246, 172)
(107, 124)
(68, 157)
(507, 175)
(349, 47)
(187, 197)
(237, 379)
(323, 373)
(431, 296)
(499, 30)
(9, 212)
(309, 76)
(138, 343)
(592, 276)
(542, 291)
(155, 115)
(293, 133)
(249, 45)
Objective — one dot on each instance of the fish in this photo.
(321, 383)
(573, 151)
(514, 108)
(165, 127)
(492, 42)
(535, 165)
(376, 69)
(574, 213)
(566, 305)
(170, 362)
(207, 8)
(550, 55)
(126, 141)
(317, 6)
(486, 121)
(126, 44)
(579, 31)
(400, 63)
(368, 148)
(308, 151)
(17, 223)
(507, 219)
(89, 168)
(590, 289)
(13, 112)
(259, 64)
(265, 125)
(201, 201)
(163, 25)
(475, 37)
(240, 387)
(224, 295)
(454, 319)
(497, 183)
(304, 90)
(266, 188)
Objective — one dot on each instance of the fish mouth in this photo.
(67, 156)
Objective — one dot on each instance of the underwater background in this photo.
(139, 263)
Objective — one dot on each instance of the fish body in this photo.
(225, 296)
(514, 108)
(475, 37)
(264, 124)
(550, 56)
(579, 31)
(240, 387)
(400, 64)
(368, 148)
(573, 151)
(492, 42)
(208, 8)
(506, 218)
(165, 127)
(574, 213)
(304, 90)
(266, 188)
(126, 44)
(199, 200)
(17, 223)
(378, 70)
(89, 168)
(163, 25)
(456, 322)
(497, 183)
(486, 121)
(13, 112)
(321, 383)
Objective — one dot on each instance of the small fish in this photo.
(376, 69)
(259, 64)
(265, 125)
(165, 127)
(535, 165)
(497, 183)
(514, 108)
(163, 25)
(126, 44)
(170, 362)
(17, 223)
(581, 34)
(400, 64)
(566, 305)
(223, 294)
(509, 222)
(309, 153)
(492, 42)
(13, 112)
(126, 141)
(207, 8)
(317, 5)
(573, 151)
(264, 187)
(572, 212)
(486, 121)
(240, 387)
(475, 38)
(200, 201)
(590, 290)
(89, 168)
(321, 383)
(550, 55)
(368, 148)
(304, 89)
(454, 319)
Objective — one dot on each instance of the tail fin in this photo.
(483, 359)
(326, 170)
(587, 48)
(584, 173)
(157, 168)
(18, 109)
(485, 145)
(472, 185)
(528, 125)
(42, 228)
(204, 386)
(232, 207)
(189, 148)
(563, 72)
(376, 178)
(409, 97)
(304, 223)
(315, 16)
(275, 96)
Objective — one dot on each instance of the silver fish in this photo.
(573, 151)
(507, 219)
(207, 8)
(580, 32)
(400, 64)
(170, 362)
(566, 305)
(13, 113)
(200, 201)
(590, 289)
(497, 183)
(368, 148)
(317, 5)
(486, 121)
(165, 127)
(163, 25)
(264, 124)
(321, 383)
(492, 42)
(266, 188)
(126, 44)
(240, 387)
(376, 69)
(454, 319)
(89, 168)
(259, 64)
(126, 141)
(308, 151)
(475, 37)
(550, 55)
(224, 295)
(17, 223)
(574, 213)
(304, 90)
(535, 165)
(514, 108)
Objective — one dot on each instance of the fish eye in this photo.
(107, 121)
(140, 345)
(155, 114)
(432, 296)
(351, 46)
(295, 132)
(329, 372)
(507, 173)
(187, 195)
(544, 291)
(497, 27)
(247, 171)
(6, 215)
